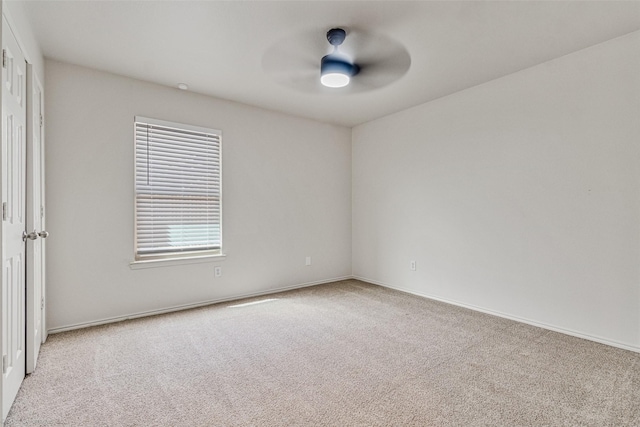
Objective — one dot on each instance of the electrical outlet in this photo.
(412, 265)
(307, 261)
(217, 271)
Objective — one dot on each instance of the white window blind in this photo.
(178, 189)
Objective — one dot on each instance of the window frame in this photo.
(184, 256)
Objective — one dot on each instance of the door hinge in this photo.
(4, 211)
(41, 120)
(42, 304)
(41, 211)
(4, 58)
(4, 363)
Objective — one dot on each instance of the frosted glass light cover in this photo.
(335, 80)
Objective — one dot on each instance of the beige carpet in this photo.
(342, 354)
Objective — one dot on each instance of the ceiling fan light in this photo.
(335, 72)
(335, 80)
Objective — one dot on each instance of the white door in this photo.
(13, 217)
(35, 219)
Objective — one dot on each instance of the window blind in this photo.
(178, 189)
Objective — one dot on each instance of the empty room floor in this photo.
(341, 354)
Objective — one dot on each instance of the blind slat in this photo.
(169, 145)
(158, 155)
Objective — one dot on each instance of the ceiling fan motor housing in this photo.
(333, 64)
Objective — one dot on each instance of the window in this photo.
(178, 189)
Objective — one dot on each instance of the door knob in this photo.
(43, 234)
(31, 236)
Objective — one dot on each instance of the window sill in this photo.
(135, 265)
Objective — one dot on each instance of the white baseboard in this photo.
(509, 316)
(188, 306)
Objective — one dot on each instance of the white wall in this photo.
(520, 196)
(286, 185)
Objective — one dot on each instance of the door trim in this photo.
(35, 306)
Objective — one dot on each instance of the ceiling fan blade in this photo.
(290, 68)
(295, 60)
(383, 71)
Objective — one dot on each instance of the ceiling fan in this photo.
(336, 69)
(355, 60)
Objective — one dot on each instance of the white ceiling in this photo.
(218, 47)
